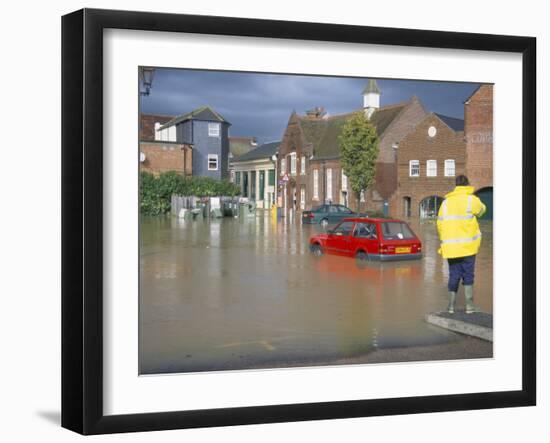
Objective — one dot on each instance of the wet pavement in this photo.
(246, 293)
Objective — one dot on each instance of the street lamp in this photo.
(146, 79)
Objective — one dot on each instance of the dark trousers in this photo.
(461, 268)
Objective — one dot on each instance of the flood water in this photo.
(246, 293)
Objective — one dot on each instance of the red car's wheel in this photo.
(316, 250)
(361, 257)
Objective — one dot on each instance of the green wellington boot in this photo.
(451, 307)
(469, 296)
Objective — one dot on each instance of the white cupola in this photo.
(371, 97)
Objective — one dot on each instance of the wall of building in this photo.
(478, 129)
(147, 125)
(163, 157)
(184, 132)
(203, 144)
(385, 184)
(402, 125)
(239, 169)
(293, 142)
(418, 145)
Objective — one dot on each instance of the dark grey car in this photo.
(326, 214)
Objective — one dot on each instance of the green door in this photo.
(486, 196)
(262, 185)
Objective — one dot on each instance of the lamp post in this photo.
(146, 75)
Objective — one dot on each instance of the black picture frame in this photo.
(82, 218)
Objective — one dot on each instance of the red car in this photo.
(369, 238)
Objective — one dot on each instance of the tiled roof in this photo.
(241, 145)
(205, 113)
(456, 124)
(323, 134)
(264, 151)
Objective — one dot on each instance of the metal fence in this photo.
(179, 202)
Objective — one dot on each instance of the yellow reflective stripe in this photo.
(461, 240)
(444, 208)
(469, 207)
(456, 217)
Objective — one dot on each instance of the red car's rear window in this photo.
(396, 231)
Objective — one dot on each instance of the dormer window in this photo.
(213, 129)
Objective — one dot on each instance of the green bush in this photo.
(155, 191)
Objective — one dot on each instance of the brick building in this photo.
(159, 156)
(309, 168)
(478, 127)
(442, 147)
(428, 160)
(478, 121)
(149, 123)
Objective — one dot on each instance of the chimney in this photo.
(316, 113)
(371, 98)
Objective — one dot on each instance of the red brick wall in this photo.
(386, 170)
(407, 120)
(293, 141)
(418, 145)
(165, 156)
(385, 184)
(147, 125)
(478, 128)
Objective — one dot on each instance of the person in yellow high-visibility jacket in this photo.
(460, 239)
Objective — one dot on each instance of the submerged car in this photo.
(369, 239)
(325, 215)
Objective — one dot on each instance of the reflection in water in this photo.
(245, 293)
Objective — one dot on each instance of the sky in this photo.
(259, 105)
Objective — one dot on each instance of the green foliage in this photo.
(155, 191)
(359, 145)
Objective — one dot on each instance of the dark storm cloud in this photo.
(260, 104)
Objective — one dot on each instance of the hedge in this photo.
(155, 190)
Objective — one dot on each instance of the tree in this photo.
(359, 145)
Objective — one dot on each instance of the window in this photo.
(343, 210)
(396, 231)
(271, 177)
(344, 228)
(302, 198)
(365, 230)
(293, 163)
(431, 168)
(344, 181)
(315, 184)
(237, 178)
(329, 184)
(449, 168)
(283, 166)
(212, 162)
(303, 165)
(414, 168)
(213, 129)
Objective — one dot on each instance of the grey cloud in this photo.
(260, 104)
